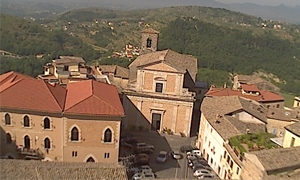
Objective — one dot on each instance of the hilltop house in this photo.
(79, 123)
(296, 102)
(158, 95)
(64, 70)
(266, 98)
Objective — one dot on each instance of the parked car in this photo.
(137, 176)
(162, 156)
(186, 148)
(142, 159)
(200, 166)
(144, 175)
(200, 172)
(192, 157)
(129, 138)
(125, 145)
(143, 150)
(143, 146)
(146, 168)
(204, 176)
(196, 152)
(197, 161)
(176, 155)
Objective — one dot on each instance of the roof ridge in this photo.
(47, 85)
(10, 81)
(106, 103)
(78, 102)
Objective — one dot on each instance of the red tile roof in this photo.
(264, 96)
(22, 92)
(249, 87)
(92, 97)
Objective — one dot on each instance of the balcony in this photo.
(34, 154)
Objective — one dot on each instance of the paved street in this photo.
(171, 168)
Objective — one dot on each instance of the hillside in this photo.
(224, 42)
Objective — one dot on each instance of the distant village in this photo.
(150, 120)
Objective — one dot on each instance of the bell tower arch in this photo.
(149, 41)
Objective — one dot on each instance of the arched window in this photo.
(47, 143)
(90, 159)
(149, 42)
(46, 123)
(8, 138)
(26, 121)
(107, 135)
(74, 134)
(7, 119)
(27, 142)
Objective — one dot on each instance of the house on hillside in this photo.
(64, 70)
(79, 123)
(260, 83)
(266, 98)
(221, 119)
(159, 92)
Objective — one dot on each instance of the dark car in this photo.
(144, 150)
(186, 148)
(141, 159)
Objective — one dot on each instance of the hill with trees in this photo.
(224, 42)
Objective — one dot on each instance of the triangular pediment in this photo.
(160, 67)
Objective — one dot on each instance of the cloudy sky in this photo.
(265, 2)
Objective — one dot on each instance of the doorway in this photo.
(156, 121)
(27, 142)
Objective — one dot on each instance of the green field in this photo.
(288, 99)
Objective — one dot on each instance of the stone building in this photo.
(149, 41)
(159, 93)
(78, 123)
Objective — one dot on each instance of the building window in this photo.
(90, 159)
(237, 170)
(225, 153)
(8, 138)
(74, 134)
(149, 42)
(277, 105)
(106, 155)
(7, 119)
(228, 159)
(74, 153)
(46, 123)
(274, 131)
(66, 68)
(211, 161)
(107, 135)
(26, 121)
(159, 87)
(27, 142)
(231, 164)
(292, 142)
(47, 143)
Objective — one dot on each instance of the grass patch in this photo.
(288, 99)
(253, 142)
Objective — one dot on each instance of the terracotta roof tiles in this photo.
(294, 128)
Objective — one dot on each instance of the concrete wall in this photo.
(90, 144)
(36, 132)
(176, 115)
(288, 138)
(248, 118)
(276, 127)
(252, 168)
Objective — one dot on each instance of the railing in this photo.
(31, 153)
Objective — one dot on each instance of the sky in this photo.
(265, 2)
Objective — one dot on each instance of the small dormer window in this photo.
(66, 68)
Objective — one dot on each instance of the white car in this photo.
(200, 172)
(137, 176)
(162, 156)
(196, 152)
(204, 176)
(146, 168)
(144, 145)
(176, 154)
